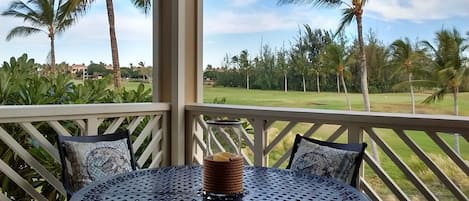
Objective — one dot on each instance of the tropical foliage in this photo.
(22, 84)
(76, 7)
(352, 10)
(46, 16)
(389, 65)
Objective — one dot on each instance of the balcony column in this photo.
(177, 49)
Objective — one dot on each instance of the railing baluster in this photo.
(22, 183)
(31, 130)
(453, 155)
(30, 160)
(92, 126)
(145, 132)
(442, 176)
(285, 157)
(262, 118)
(280, 136)
(58, 128)
(4, 198)
(87, 119)
(369, 190)
(260, 141)
(388, 181)
(152, 147)
(336, 134)
(114, 125)
(134, 124)
(398, 161)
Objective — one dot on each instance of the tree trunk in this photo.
(455, 100)
(52, 52)
(114, 50)
(364, 77)
(412, 95)
(286, 82)
(362, 63)
(317, 82)
(338, 83)
(456, 112)
(349, 106)
(247, 81)
(304, 83)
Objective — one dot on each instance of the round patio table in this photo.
(185, 183)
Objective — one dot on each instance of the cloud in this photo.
(241, 3)
(95, 27)
(417, 10)
(231, 22)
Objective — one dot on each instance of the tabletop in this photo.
(185, 183)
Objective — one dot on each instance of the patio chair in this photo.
(328, 159)
(88, 158)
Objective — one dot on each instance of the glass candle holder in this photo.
(224, 136)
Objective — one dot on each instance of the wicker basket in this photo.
(223, 177)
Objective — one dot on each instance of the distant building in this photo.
(108, 67)
(78, 68)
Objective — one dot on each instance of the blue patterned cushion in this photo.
(92, 161)
(324, 161)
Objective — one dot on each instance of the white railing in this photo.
(29, 160)
(416, 162)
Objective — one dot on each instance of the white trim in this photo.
(437, 123)
(41, 111)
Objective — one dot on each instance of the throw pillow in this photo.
(324, 161)
(92, 161)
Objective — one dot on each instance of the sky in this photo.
(231, 26)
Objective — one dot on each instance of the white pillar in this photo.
(178, 53)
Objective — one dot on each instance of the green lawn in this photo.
(388, 102)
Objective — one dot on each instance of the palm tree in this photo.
(81, 7)
(406, 58)
(315, 41)
(352, 10)
(450, 65)
(245, 65)
(299, 58)
(44, 16)
(335, 57)
(283, 67)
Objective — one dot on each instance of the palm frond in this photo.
(316, 3)
(74, 8)
(64, 24)
(348, 15)
(418, 83)
(401, 85)
(145, 5)
(436, 96)
(22, 31)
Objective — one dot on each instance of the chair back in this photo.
(88, 139)
(360, 148)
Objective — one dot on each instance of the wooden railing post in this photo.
(260, 142)
(166, 139)
(194, 130)
(91, 126)
(355, 135)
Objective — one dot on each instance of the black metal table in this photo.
(185, 183)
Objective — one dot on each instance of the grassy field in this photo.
(388, 102)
